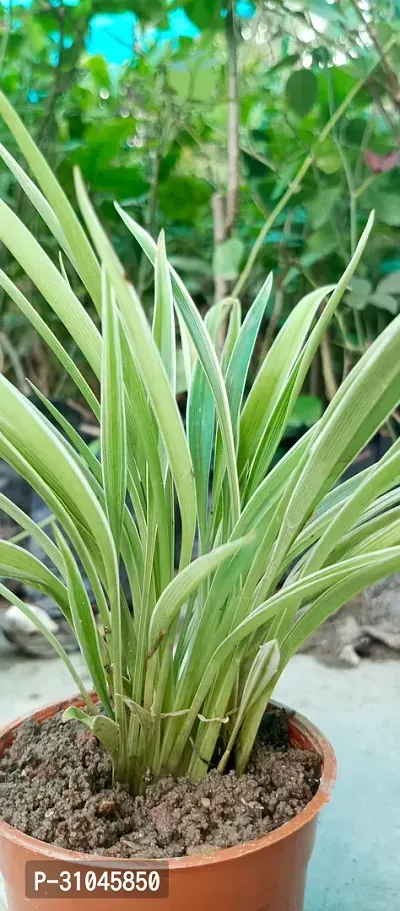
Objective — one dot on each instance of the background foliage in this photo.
(147, 122)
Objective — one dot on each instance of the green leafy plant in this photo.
(152, 134)
(280, 547)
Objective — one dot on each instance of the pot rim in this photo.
(299, 725)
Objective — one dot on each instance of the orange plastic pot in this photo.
(264, 875)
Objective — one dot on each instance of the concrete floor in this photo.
(354, 866)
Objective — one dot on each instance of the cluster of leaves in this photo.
(151, 134)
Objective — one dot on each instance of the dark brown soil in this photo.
(56, 785)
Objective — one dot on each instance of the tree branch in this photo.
(225, 208)
(232, 201)
(219, 221)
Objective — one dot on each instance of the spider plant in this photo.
(280, 546)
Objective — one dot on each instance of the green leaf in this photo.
(301, 91)
(50, 283)
(381, 564)
(206, 353)
(188, 195)
(205, 83)
(273, 428)
(105, 729)
(239, 363)
(52, 471)
(320, 244)
(387, 206)
(38, 200)
(205, 16)
(113, 420)
(289, 61)
(181, 379)
(121, 182)
(99, 71)
(352, 509)
(262, 670)
(147, 357)
(232, 334)
(390, 284)
(364, 400)
(32, 529)
(320, 207)
(201, 419)
(83, 254)
(44, 630)
(189, 356)
(142, 438)
(179, 80)
(385, 302)
(359, 293)
(327, 157)
(17, 563)
(274, 373)
(84, 622)
(306, 412)
(164, 325)
(187, 581)
(51, 340)
(258, 618)
(163, 318)
(92, 469)
(227, 259)
(190, 264)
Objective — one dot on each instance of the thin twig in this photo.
(365, 184)
(331, 386)
(252, 153)
(385, 113)
(352, 196)
(363, 147)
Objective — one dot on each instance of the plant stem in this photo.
(328, 372)
(365, 184)
(294, 186)
(352, 196)
(359, 330)
(353, 222)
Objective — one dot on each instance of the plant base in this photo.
(264, 875)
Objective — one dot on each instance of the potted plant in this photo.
(184, 681)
